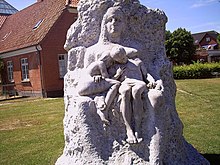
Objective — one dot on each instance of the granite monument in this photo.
(119, 89)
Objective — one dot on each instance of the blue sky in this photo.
(194, 15)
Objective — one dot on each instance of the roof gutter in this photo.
(20, 51)
(71, 6)
(72, 9)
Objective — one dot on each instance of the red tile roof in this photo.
(17, 31)
(199, 36)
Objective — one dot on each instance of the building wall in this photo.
(27, 88)
(51, 47)
(43, 65)
(201, 55)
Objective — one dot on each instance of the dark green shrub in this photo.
(196, 71)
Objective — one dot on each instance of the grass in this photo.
(198, 105)
(31, 130)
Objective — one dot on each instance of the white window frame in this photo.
(62, 62)
(38, 24)
(24, 69)
(10, 71)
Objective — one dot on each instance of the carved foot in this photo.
(139, 139)
(103, 118)
(106, 122)
(131, 138)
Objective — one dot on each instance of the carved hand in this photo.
(119, 72)
(98, 78)
(159, 85)
(151, 85)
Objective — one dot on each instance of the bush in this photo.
(196, 71)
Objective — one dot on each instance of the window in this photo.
(6, 36)
(24, 69)
(10, 71)
(62, 64)
(208, 39)
(38, 24)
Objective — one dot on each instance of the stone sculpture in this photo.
(119, 89)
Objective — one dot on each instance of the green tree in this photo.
(218, 40)
(168, 34)
(180, 46)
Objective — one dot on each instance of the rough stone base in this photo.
(88, 142)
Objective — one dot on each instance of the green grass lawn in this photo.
(31, 130)
(198, 105)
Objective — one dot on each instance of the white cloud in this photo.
(201, 3)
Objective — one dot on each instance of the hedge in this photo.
(196, 71)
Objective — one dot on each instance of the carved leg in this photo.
(109, 98)
(111, 94)
(126, 110)
(101, 106)
(102, 115)
(137, 106)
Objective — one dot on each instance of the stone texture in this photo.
(86, 140)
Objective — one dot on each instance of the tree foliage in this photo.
(180, 46)
(168, 34)
(218, 40)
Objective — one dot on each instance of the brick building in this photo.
(207, 46)
(206, 40)
(31, 47)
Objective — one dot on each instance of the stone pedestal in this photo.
(88, 142)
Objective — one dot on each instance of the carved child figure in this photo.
(133, 77)
(96, 81)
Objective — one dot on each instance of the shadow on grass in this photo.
(214, 159)
(13, 98)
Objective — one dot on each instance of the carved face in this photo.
(119, 55)
(114, 22)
